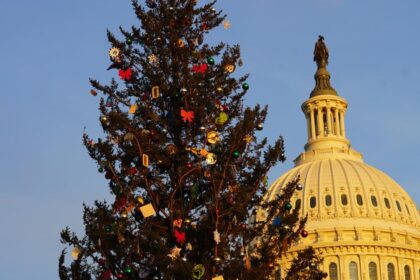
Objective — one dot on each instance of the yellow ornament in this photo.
(248, 138)
(230, 68)
(213, 137)
(222, 118)
(226, 24)
(133, 109)
(211, 158)
(75, 253)
(114, 53)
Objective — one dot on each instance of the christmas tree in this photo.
(183, 162)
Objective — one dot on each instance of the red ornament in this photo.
(200, 68)
(180, 236)
(132, 171)
(189, 165)
(304, 233)
(125, 74)
(106, 275)
(120, 276)
(187, 116)
(204, 26)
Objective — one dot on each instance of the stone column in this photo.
(329, 128)
(320, 131)
(343, 129)
(336, 124)
(312, 116)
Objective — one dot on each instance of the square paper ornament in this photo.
(218, 278)
(147, 210)
(145, 160)
(155, 92)
(133, 109)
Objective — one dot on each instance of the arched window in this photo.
(398, 205)
(408, 211)
(373, 271)
(359, 199)
(312, 202)
(344, 199)
(391, 271)
(297, 204)
(328, 200)
(354, 274)
(374, 201)
(278, 274)
(333, 273)
(387, 203)
(407, 275)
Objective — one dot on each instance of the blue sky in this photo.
(51, 48)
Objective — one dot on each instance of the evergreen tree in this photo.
(183, 162)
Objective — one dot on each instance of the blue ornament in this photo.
(277, 222)
(108, 102)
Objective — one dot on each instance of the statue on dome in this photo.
(321, 53)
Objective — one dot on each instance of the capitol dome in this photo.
(360, 220)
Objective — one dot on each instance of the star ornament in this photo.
(187, 116)
(174, 253)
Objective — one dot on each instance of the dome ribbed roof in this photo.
(339, 188)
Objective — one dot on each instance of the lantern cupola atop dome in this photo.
(324, 112)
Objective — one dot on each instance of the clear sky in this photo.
(50, 48)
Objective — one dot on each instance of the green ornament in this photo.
(128, 270)
(210, 60)
(101, 169)
(128, 41)
(245, 86)
(288, 206)
(236, 154)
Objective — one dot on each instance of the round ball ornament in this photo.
(211, 159)
(236, 154)
(211, 61)
(101, 169)
(245, 86)
(304, 233)
(288, 206)
(260, 126)
(230, 68)
(75, 253)
(128, 270)
(299, 187)
(129, 41)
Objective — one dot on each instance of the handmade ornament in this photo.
(211, 158)
(125, 74)
(213, 137)
(226, 24)
(75, 253)
(179, 236)
(216, 235)
(248, 138)
(133, 109)
(187, 116)
(222, 118)
(200, 68)
(203, 152)
(145, 160)
(174, 253)
(198, 271)
(230, 68)
(177, 223)
(152, 59)
(180, 43)
(147, 210)
(210, 60)
(155, 92)
(114, 53)
(93, 92)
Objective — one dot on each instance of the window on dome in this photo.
(387, 203)
(328, 201)
(312, 202)
(391, 272)
(374, 201)
(344, 199)
(354, 275)
(398, 205)
(359, 199)
(298, 203)
(408, 211)
(278, 274)
(407, 274)
(333, 271)
(373, 272)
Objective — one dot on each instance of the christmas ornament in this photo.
(188, 247)
(132, 171)
(101, 169)
(245, 86)
(114, 53)
(304, 233)
(140, 200)
(222, 118)
(170, 149)
(218, 278)
(129, 136)
(226, 24)
(210, 60)
(184, 90)
(184, 259)
(288, 206)
(180, 236)
(133, 109)
(203, 152)
(276, 222)
(213, 137)
(216, 235)
(211, 158)
(260, 126)
(190, 165)
(198, 271)
(155, 92)
(129, 41)
(219, 90)
(128, 270)
(147, 210)
(152, 59)
(108, 102)
(200, 68)
(299, 187)
(75, 253)
(125, 74)
(248, 138)
(230, 68)
(93, 92)
(145, 160)
(236, 154)
(187, 116)
(181, 43)
(174, 253)
(106, 275)
(177, 223)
